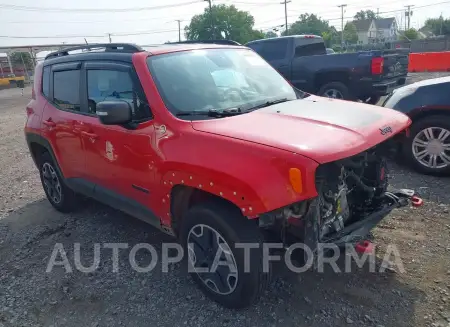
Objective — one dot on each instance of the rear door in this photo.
(62, 120)
(276, 53)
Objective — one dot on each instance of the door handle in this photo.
(90, 135)
(49, 123)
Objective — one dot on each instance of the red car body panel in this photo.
(35, 106)
(236, 174)
(244, 159)
(319, 128)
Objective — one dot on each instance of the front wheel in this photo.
(213, 235)
(428, 147)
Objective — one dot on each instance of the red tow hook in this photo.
(416, 201)
(364, 247)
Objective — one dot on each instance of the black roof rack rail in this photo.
(224, 42)
(109, 47)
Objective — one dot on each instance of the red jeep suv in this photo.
(210, 144)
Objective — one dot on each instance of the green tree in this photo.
(410, 34)
(439, 26)
(270, 34)
(350, 33)
(365, 14)
(16, 59)
(308, 24)
(224, 22)
(331, 37)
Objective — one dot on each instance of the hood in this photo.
(322, 129)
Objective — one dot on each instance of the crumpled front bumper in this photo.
(359, 230)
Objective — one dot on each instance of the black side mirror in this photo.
(114, 112)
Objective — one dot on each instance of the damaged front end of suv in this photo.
(353, 197)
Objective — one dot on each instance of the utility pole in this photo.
(285, 2)
(211, 19)
(442, 21)
(342, 23)
(109, 35)
(179, 29)
(408, 14)
(378, 13)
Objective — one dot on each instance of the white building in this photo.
(376, 30)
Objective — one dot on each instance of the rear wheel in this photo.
(209, 234)
(428, 147)
(60, 196)
(335, 90)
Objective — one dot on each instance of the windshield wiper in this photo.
(267, 104)
(211, 112)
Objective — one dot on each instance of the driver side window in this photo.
(113, 85)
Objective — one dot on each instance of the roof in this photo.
(362, 25)
(168, 48)
(381, 23)
(426, 31)
(384, 23)
(127, 55)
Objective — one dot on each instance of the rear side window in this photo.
(46, 82)
(66, 89)
(271, 50)
(311, 49)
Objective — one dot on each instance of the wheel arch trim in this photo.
(40, 140)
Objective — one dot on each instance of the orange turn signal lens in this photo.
(295, 177)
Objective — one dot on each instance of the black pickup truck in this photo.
(303, 60)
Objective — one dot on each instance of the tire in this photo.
(243, 288)
(374, 99)
(438, 123)
(65, 199)
(340, 89)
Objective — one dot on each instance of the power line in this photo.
(90, 21)
(359, 7)
(260, 5)
(93, 10)
(83, 36)
(381, 12)
(174, 30)
(251, 3)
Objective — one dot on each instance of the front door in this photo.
(119, 159)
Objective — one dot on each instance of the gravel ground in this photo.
(30, 228)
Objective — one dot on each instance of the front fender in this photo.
(254, 177)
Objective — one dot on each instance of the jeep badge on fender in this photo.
(386, 130)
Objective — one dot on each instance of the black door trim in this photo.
(115, 200)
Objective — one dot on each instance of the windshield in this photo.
(217, 79)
